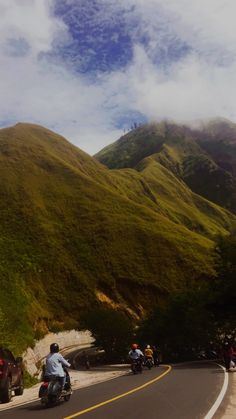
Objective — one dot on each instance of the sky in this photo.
(90, 69)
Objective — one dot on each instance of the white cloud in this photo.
(199, 84)
(31, 20)
(207, 25)
(192, 89)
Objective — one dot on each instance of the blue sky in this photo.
(89, 69)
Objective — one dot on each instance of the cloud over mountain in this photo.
(89, 69)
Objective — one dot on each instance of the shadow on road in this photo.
(198, 365)
(33, 407)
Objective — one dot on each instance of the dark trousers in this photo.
(227, 360)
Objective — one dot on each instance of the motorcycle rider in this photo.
(136, 354)
(54, 365)
(148, 352)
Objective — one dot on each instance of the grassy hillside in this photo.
(74, 232)
(218, 139)
(204, 159)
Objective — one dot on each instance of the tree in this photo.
(224, 289)
(181, 327)
(4, 330)
(112, 331)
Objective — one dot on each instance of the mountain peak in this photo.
(203, 158)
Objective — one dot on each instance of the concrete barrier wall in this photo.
(72, 338)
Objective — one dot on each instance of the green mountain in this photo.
(205, 159)
(75, 233)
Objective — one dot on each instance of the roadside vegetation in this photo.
(113, 331)
(199, 319)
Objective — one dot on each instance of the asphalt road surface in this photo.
(185, 391)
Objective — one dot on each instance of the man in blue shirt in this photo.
(136, 357)
(54, 364)
(135, 353)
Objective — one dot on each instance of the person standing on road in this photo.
(155, 356)
(228, 355)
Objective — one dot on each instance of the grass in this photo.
(29, 380)
(70, 228)
(191, 155)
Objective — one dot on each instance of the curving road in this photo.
(187, 391)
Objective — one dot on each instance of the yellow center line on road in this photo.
(96, 406)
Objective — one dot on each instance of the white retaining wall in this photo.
(71, 338)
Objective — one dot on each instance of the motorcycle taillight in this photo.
(45, 384)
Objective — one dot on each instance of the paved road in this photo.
(187, 392)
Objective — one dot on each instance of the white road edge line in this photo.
(219, 399)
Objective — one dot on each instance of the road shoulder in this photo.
(227, 409)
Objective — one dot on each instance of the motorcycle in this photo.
(51, 392)
(136, 366)
(148, 363)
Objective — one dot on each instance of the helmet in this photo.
(148, 346)
(54, 347)
(134, 346)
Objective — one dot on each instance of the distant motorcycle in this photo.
(51, 392)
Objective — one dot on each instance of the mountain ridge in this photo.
(190, 154)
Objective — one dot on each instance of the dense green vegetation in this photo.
(197, 319)
(112, 330)
(223, 302)
(75, 234)
(182, 327)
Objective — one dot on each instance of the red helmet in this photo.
(134, 346)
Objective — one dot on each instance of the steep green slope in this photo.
(150, 139)
(218, 139)
(180, 204)
(73, 232)
(204, 159)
